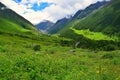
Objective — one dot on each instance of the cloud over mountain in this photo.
(38, 10)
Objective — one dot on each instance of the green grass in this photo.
(10, 22)
(94, 35)
(11, 27)
(19, 61)
(7, 26)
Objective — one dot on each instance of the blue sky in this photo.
(17, 1)
(41, 6)
(38, 10)
(36, 6)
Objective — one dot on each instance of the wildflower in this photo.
(97, 71)
(117, 78)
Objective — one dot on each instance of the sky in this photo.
(38, 10)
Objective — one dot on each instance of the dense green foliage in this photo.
(100, 29)
(18, 61)
(106, 20)
(36, 48)
(84, 42)
(94, 35)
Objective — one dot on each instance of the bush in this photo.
(108, 56)
(65, 43)
(51, 51)
(36, 47)
(111, 47)
(2, 49)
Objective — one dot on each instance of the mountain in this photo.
(100, 29)
(105, 20)
(60, 24)
(11, 22)
(83, 13)
(45, 25)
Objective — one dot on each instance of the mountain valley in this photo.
(85, 46)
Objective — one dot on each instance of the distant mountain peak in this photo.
(61, 23)
(68, 16)
(44, 25)
(46, 21)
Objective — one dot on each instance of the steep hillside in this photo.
(60, 24)
(83, 13)
(45, 25)
(106, 20)
(103, 23)
(11, 22)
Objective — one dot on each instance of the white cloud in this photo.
(59, 9)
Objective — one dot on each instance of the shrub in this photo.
(108, 56)
(23, 52)
(36, 47)
(2, 49)
(110, 47)
(65, 43)
(51, 51)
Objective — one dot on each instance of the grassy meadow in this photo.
(85, 49)
(94, 35)
(19, 60)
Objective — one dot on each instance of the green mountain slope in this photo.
(11, 22)
(104, 21)
(60, 24)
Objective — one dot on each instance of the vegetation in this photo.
(18, 60)
(88, 43)
(14, 29)
(99, 30)
(36, 48)
(94, 35)
(27, 54)
(61, 24)
(105, 20)
(11, 22)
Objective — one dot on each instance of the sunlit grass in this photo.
(94, 35)
(54, 62)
